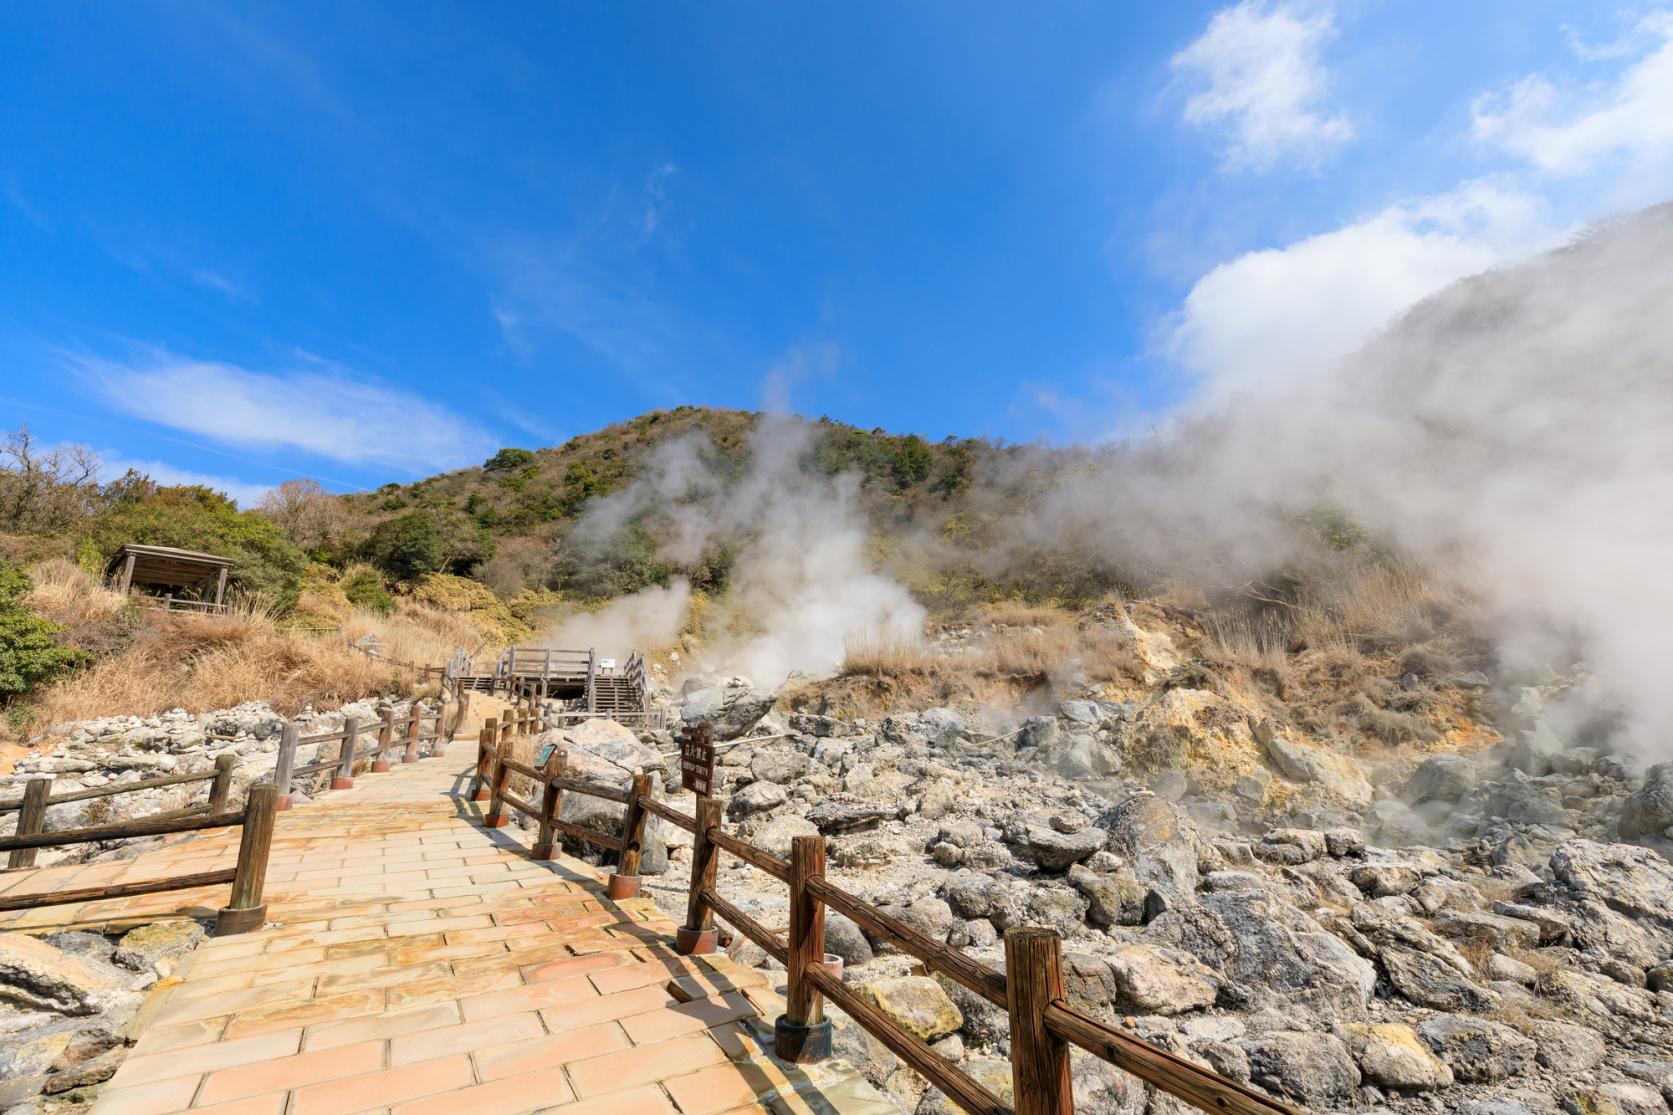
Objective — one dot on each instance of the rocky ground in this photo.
(1488, 933)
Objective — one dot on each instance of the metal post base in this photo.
(229, 921)
(281, 803)
(544, 851)
(380, 767)
(696, 942)
(342, 783)
(409, 758)
(481, 795)
(494, 821)
(622, 886)
(801, 1045)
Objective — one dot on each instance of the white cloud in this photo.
(1272, 315)
(1260, 80)
(330, 414)
(1567, 130)
(113, 466)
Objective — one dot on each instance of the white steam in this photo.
(801, 580)
(645, 619)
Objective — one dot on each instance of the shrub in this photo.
(364, 589)
(29, 649)
(407, 547)
(508, 459)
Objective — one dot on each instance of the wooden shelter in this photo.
(172, 569)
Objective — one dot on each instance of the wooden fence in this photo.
(1030, 990)
(383, 737)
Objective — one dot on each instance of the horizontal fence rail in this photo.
(1031, 989)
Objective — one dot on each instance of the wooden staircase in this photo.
(578, 677)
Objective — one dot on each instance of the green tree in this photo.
(29, 651)
(507, 459)
(407, 547)
(913, 461)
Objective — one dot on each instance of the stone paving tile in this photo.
(417, 963)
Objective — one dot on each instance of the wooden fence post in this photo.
(698, 935)
(459, 712)
(486, 740)
(282, 770)
(802, 1034)
(1039, 1059)
(414, 726)
(386, 736)
(502, 774)
(592, 678)
(247, 911)
(221, 789)
(31, 819)
(551, 800)
(506, 728)
(624, 881)
(344, 779)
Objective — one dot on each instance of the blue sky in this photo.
(369, 242)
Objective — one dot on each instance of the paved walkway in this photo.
(415, 962)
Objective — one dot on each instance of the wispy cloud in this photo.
(1568, 129)
(335, 414)
(656, 199)
(214, 280)
(1259, 80)
(557, 289)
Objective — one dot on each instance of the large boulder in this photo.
(1441, 778)
(1160, 844)
(1393, 1056)
(1312, 1067)
(731, 709)
(1161, 980)
(1336, 773)
(158, 947)
(609, 743)
(780, 764)
(757, 797)
(1052, 850)
(1625, 877)
(1478, 1051)
(1648, 811)
(37, 977)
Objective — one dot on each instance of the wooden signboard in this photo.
(697, 759)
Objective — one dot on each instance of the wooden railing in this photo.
(244, 911)
(1030, 990)
(383, 737)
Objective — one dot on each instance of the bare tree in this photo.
(44, 490)
(308, 514)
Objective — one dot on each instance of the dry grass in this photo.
(1035, 653)
(150, 662)
(883, 656)
(1256, 645)
(1016, 613)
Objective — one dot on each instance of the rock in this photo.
(1080, 712)
(843, 813)
(1648, 811)
(1336, 773)
(1113, 899)
(943, 727)
(1055, 851)
(1554, 925)
(1292, 846)
(609, 741)
(781, 765)
(1618, 1098)
(1440, 778)
(1382, 880)
(978, 896)
(1102, 1089)
(25, 1061)
(1161, 980)
(1342, 843)
(1311, 1067)
(1478, 1051)
(1429, 981)
(930, 916)
(158, 947)
(1492, 928)
(36, 976)
(1159, 843)
(1627, 878)
(1082, 756)
(845, 939)
(757, 797)
(939, 798)
(1535, 748)
(732, 709)
(776, 835)
(1391, 1055)
(917, 1003)
(1566, 1048)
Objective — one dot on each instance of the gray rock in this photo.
(844, 938)
(1160, 844)
(1311, 1067)
(1382, 880)
(1082, 756)
(1648, 811)
(1441, 778)
(1116, 898)
(917, 1003)
(1337, 773)
(844, 813)
(1055, 851)
(1162, 980)
(1535, 748)
(1554, 925)
(757, 797)
(1633, 880)
(36, 976)
(1478, 1051)
(1428, 980)
(1491, 928)
(943, 727)
(732, 709)
(777, 834)
(780, 764)
(1617, 1098)
(1566, 1048)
